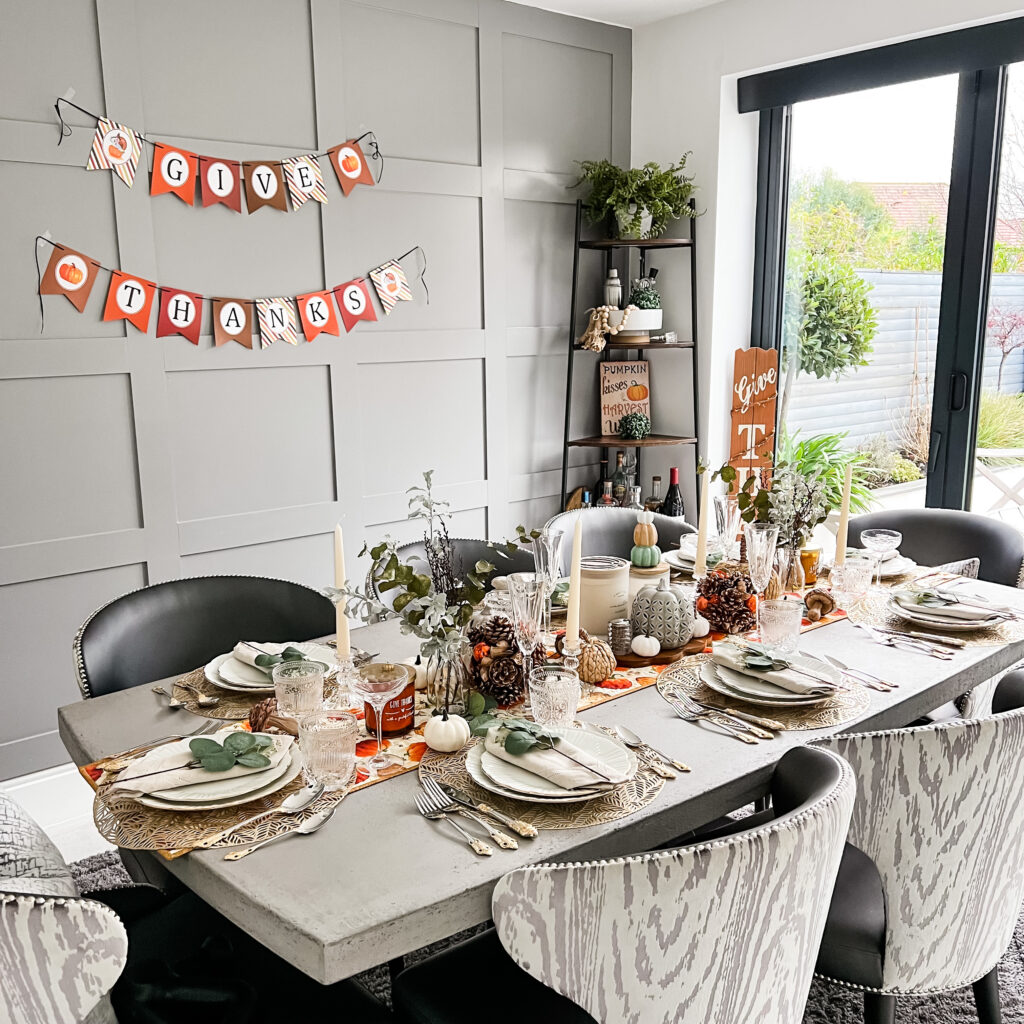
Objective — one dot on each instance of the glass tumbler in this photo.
(299, 687)
(851, 580)
(780, 626)
(327, 741)
(554, 696)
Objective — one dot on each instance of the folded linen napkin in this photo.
(170, 762)
(246, 651)
(579, 770)
(733, 657)
(964, 609)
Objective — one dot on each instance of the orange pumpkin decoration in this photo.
(71, 273)
(636, 392)
(645, 534)
(350, 163)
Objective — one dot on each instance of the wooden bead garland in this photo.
(593, 336)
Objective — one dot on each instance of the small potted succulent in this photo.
(646, 315)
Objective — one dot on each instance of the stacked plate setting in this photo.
(509, 780)
(754, 690)
(894, 564)
(228, 673)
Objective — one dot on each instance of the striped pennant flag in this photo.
(305, 179)
(115, 148)
(391, 284)
(277, 321)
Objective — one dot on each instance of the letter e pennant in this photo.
(305, 179)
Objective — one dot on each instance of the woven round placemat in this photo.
(622, 801)
(843, 707)
(231, 705)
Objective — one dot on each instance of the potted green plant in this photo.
(642, 199)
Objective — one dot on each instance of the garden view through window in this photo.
(868, 196)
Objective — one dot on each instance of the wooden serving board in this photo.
(663, 657)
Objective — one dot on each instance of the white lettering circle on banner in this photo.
(181, 310)
(232, 318)
(349, 162)
(117, 147)
(303, 176)
(174, 168)
(354, 299)
(71, 273)
(264, 181)
(220, 179)
(277, 318)
(315, 310)
(130, 296)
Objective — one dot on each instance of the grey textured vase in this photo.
(664, 612)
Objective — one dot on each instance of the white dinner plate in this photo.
(948, 624)
(480, 777)
(215, 789)
(678, 561)
(213, 674)
(293, 769)
(897, 566)
(754, 691)
(227, 672)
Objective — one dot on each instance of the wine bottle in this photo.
(602, 476)
(619, 482)
(653, 502)
(673, 503)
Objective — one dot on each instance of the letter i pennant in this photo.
(115, 148)
(129, 298)
(180, 313)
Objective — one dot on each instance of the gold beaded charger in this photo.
(621, 802)
(844, 706)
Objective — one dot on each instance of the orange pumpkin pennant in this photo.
(69, 273)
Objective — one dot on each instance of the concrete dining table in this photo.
(380, 881)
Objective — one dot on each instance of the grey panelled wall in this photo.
(128, 460)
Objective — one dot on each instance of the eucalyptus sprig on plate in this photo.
(238, 748)
(268, 661)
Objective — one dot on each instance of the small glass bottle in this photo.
(633, 499)
(673, 503)
(588, 499)
(607, 498)
(653, 501)
(613, 289)
(619, 482)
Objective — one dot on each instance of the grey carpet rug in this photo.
(828, 1004)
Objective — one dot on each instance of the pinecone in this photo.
(259, 713)
(495, 630)
(725, 600)
(504, 680)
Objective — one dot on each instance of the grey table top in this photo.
(379, 881)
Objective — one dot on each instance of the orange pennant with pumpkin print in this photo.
(129, 298)
(350, 166)
(69, 273)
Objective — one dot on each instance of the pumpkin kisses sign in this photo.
(625, 387)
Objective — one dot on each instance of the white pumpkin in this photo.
(446, 733)
(701, 626)
(420, 665)
(645, 646)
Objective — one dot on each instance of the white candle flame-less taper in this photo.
(572, 621)
(700, 561)
(341, 619)
(844, 517)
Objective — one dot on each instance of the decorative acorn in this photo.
(646, 552)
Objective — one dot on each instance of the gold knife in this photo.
(521, 828)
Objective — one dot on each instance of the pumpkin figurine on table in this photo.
(645, 553)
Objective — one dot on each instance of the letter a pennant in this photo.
(354, 302)
(174, 170)
(305, 179)
(277, 321)
(115, 148)
(180, 313)
(392, 285)
(232, 321)
(69, 273)
(129, 298)
(316, 311)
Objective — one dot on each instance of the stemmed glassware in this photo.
(545, 559)
(879, 542)
(762, 539)
(727, 523)
(527, 592)
(378, 684)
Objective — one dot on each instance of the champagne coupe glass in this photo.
(377, 684)
(879, 543)
(527, 592)
(762, 539)
(727, 522)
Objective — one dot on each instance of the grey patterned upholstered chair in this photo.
(929, 897)
(59, 954)
(720, 933)
(609, 531)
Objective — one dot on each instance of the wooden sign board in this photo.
(625, 387)
(754, 397)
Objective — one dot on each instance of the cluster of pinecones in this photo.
(728, 601)
(497, 664)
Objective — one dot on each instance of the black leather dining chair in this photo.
(935, 536)
(175, 626)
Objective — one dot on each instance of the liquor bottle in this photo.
(607, 498)
(653, 502)
(673, 503)
(602, 476)
(613, 289)
(633, 501)
(619, 482)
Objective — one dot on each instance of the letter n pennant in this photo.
(316, 311)
(277, 321)
(115, 148)
(354, 302)
(232, 321)
(180, 313)
(174, 170)
(129, 298)
(69, 273)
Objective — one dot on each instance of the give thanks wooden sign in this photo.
(625, 387)
(754, 396)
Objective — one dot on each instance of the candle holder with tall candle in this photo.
(343, 696)
(571, 644)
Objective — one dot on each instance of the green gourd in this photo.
(645, 556)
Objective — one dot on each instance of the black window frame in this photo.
(980, 57)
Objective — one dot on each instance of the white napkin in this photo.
(733, 657)
(590, 774)
(950, 612)
(246, 651)
(174, 757)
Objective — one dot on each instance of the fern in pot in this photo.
(642, 200)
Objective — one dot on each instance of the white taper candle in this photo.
(842, 532)
(572, 622)
(700, 561)
(341, 619)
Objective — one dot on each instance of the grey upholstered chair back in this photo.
(609, 531)
(932, 536)
(940, 810)
(722, 933)
(59, 954)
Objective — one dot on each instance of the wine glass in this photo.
(762, 539)
(377, 684)
(527, 592)
(545, 558)
(727, 522)
(879, 542)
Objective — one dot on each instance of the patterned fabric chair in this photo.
(59, 954)
(609, 531)
(174, 626)
(929, 899)
(720, 933)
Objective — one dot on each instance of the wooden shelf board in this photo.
(614, 441)
(636, 243)
(637, 343)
